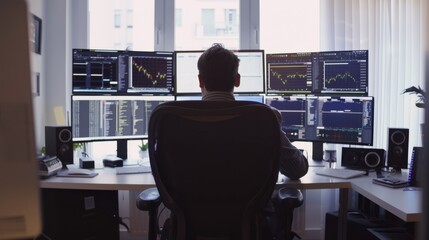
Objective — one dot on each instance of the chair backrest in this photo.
(215, 165)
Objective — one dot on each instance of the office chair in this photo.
(215, 165)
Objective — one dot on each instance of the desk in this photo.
(407, 205)
(404, 204)
(105, 180)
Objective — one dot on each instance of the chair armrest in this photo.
(148, 199)
(290, 197)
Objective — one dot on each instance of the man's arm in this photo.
(293, 164)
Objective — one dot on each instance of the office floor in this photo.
(123, 235)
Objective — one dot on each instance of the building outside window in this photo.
(129, 18)
(208, 22)
(204, 22)
(132, 28)
(117, 19)
(290, 26)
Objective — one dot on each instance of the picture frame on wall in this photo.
(35, 84)
(36, 34)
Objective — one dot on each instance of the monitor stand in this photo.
(317, 151)
(122, 149)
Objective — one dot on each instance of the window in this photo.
(178, 17)
(129, 18)
(269, 25)
(137, 34)
(231, 21)
(117, 19)
(289, 26)
(200, 23)
(207, 22)
(133, 24)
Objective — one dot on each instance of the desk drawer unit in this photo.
(80, 214)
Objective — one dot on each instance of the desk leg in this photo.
(342, 214)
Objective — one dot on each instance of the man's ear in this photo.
(202, 84)
(237, 80)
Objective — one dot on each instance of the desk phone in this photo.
(49, 166)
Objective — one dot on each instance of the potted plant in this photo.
(143, 153)
(421, 101)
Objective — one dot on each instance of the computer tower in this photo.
(80, 214)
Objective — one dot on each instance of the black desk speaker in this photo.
(58, 142)
(397, 154)
(363, 158)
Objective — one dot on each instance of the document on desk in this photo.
(133, 169)
(339, 172)
(79, 173)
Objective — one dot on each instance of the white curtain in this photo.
(393, 32)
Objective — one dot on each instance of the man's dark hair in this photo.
(218, 67)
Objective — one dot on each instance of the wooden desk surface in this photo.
(105, 180)
(108, 180)
(404, 204)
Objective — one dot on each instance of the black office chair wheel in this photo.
(290, 198)
(149, 200)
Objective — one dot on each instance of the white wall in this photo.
(37, 64)
(51, 64)
(54, 62)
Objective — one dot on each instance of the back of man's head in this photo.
(218, 67)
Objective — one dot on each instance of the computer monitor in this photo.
(150, 72)
(344, 120)
(113, 117)
(251, 69)
(289, 73)
(98, 72)
(341, 72)
(318, 73)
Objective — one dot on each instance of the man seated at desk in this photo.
(218, 75)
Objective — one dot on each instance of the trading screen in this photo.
(115, 117)
(347, 120)
(319, 73)
(122, 72)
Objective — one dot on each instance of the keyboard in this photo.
(133, 169)
(339, 172)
